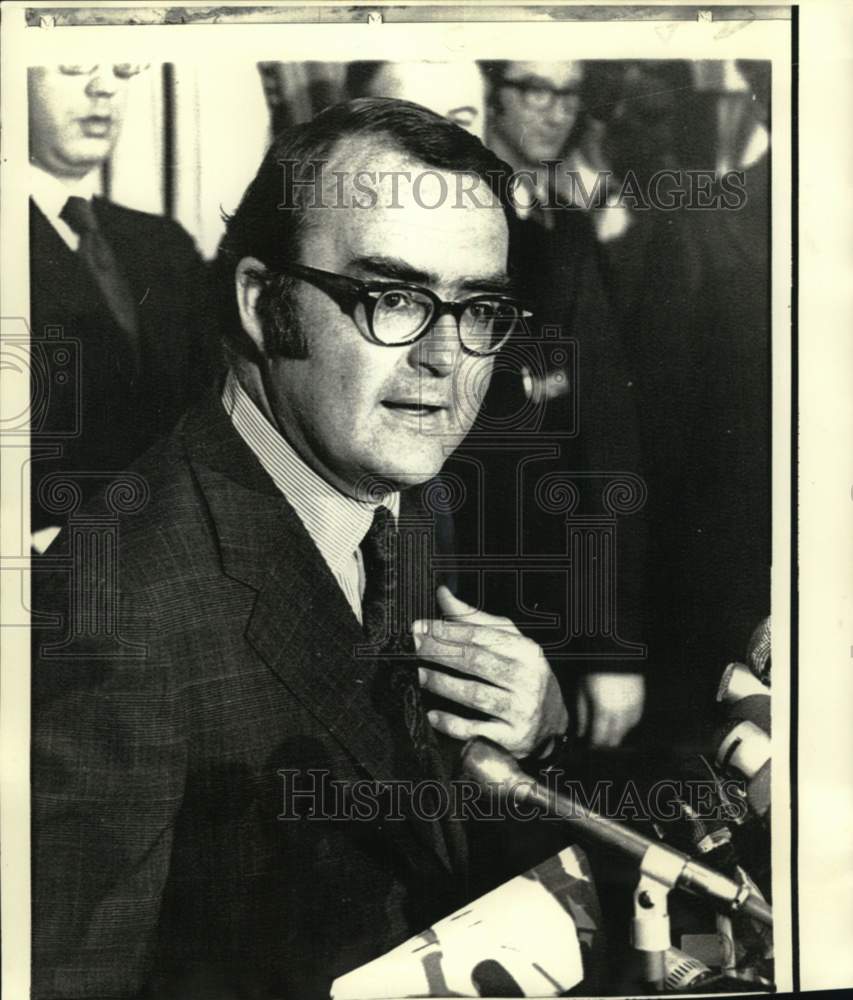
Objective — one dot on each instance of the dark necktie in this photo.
(383, 610)
(387, 620)
(100, 261)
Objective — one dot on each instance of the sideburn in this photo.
(283, 334)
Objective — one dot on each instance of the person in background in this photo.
(455, 90)
(693, 288)
(534, 108)
(117, 298)
(534, 113)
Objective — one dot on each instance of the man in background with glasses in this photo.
(534, 108)
(117, 297)
(271, 631)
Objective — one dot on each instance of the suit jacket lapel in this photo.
(301, 624)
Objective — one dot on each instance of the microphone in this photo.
(744, 696)
(683, 972)
(737, 682)
(744, 748)
(758, 652)
(743, 744)
(494, 768)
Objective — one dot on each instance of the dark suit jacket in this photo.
(587, 436)
(156, 767)
(696, 294)
(87, 406)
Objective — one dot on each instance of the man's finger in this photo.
(619, 730)
(485, 698)
(582, 708)
(468, 658)
(465, 729)
(611, 731)
(600, 733)
(453, 607)
(493, 636)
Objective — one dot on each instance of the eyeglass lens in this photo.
(538, 97)
(400, 315)
(486, 326)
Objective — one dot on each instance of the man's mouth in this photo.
(413, 407)
(96, 126)
(551, 140)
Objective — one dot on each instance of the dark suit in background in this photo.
(694, 288)
(591, 428)
(156, 788)
(515, 447)
(91, 402)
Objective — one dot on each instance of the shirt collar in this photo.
(50, 193)
(336, 523)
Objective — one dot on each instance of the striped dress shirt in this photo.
(336, 523)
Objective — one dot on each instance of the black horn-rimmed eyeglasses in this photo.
(397, 313)
(542, 96)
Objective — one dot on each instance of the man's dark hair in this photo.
(262, 229)
(494, 72)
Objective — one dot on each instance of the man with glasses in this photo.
(534, 108)
(116, 296)
(272, 638)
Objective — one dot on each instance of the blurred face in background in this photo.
(455, 91)
(535, 108)
(75, 115)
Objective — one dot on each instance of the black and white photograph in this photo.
(400, 525)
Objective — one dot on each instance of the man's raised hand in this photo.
(496, 671)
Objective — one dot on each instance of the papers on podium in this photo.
(521, 939)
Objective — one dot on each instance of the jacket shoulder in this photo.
(170, 521)
(155, 235)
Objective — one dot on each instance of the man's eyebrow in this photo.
(499, 282)
(541, 81)
(395, 269)
(392, 268)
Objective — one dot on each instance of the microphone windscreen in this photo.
(755, 708)
(737, 682)
(758, 652)
(743, 747)
(758, 791)
(683, 971)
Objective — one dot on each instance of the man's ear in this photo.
(248, 280)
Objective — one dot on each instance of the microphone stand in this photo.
(661, 868)
(650, 933)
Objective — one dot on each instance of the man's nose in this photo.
(102, 83)
(440, 349)
(558, 113)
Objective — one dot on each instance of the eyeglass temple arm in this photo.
(349, 291)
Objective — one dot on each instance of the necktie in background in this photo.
(99, 259)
